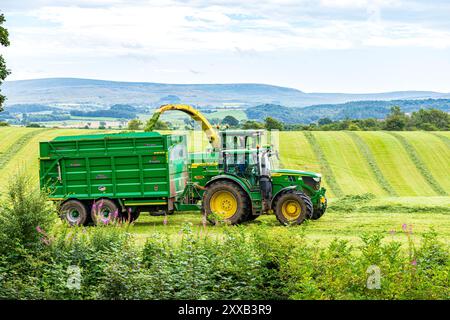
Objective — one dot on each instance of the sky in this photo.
(352, 46)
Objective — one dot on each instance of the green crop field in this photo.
(407, 172)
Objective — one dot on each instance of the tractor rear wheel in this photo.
(74, 212)
(224, 200)
(104, 211)
(293, 207)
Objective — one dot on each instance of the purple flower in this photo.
(165, 220)
(38, 229)
(404, 226)
(414, 262)
(116, 213)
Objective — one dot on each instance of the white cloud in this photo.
(154, 29)
(78, 33)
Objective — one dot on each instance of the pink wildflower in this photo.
(404, 226)
(165, 220)
(414, 262)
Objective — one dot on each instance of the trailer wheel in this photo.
(74, 212)
(104, 211)
(293, 208)
(224, 200)
(131, 214)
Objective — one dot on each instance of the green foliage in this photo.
(4, 124)
(33, 125)
(161, 125)
(26, 216)
(356, 110)
(4, 72)
(135, 124)
(273, 124)
(396, 120)
(250, 124)
(230, 121)
(254, 263)
(430, 120)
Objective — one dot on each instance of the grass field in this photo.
(407, 174)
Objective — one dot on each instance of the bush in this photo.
(26, 216)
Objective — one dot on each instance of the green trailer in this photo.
(104, 176)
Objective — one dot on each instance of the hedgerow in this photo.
(241, 263)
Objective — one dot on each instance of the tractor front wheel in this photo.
(293, 208)
(224, 200)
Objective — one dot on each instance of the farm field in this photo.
(407, 172)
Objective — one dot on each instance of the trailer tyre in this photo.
(104, 211)
(292, 208)
(74, 212)
(224, 200)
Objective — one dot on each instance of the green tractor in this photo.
(102, 177)
(240, 179)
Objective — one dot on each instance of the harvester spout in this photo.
(207, 128)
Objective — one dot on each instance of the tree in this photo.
(134, 124)
(273, 124)
(4, 72)
(324, 121)
(432, 119)
(396, 120)
(102, 125)
(231, 121)
(354, 127)
(250, 124)
(161, 125)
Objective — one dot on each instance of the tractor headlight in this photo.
(316, 179)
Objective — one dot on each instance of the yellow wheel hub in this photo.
(223, 203)
(291, 209)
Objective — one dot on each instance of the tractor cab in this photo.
(241, 153)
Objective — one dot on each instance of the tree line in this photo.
(397, 120)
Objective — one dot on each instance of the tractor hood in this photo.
(289, 172)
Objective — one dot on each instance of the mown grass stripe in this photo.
(420, 165)
(324, 165)
(7, 155)
(442, 138)
(372, 162)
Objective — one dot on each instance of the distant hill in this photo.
(353, 110)
(72, 92)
